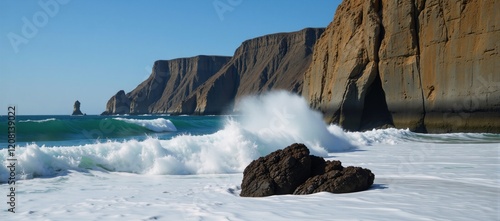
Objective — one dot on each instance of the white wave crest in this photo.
(38, 121)
(156, 125)
(229, 150)
(226, 151)
(280, 118)
(268, 123)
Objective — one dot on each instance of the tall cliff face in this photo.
(169, 83)
(426, 65)
(276, 61)
(460, 39)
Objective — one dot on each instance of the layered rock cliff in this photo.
(276, 61)
(169, 83)
(425, 65)
(211, 84)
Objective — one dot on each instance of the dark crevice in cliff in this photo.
(415, 29)
(375, 112)
(415, 32)
(323, 77)
(382, 29)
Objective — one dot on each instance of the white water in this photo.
(417, 177)
(280, 118)
(414, 181)
(227, 151)
(274, 125)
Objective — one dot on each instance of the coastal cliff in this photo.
(169, 83)
(276, 61)
(211, 84)
(431, 66)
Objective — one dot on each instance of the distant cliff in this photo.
(169, 83)
(211, 84)
(276, 61)
(425, 65)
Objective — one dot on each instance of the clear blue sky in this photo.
(88, 50)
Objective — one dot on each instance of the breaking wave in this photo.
(267, 123)
(264, 126)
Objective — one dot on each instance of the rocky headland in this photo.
(170, 82)
(431, 66)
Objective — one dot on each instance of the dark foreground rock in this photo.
(280, 172)
(76, 108)
(345, 180)
(293, 170)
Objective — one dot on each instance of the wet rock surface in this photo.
(293, 171)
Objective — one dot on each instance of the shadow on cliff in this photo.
(375, 112)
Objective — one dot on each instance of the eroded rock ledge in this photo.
(293, 171)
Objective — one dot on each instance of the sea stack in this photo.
(76, 108)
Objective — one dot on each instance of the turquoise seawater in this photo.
(63, 130)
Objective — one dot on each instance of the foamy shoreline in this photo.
(414, 181)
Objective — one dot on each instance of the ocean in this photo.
(66, 130)
(161, 167)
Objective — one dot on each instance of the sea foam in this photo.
(280, 118)
(389, 136)
(268, 123)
